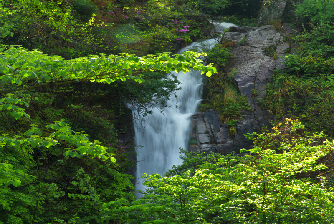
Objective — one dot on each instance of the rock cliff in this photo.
(253, 68)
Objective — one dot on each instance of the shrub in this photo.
(316, 11)
(85, 9)
(260, 187)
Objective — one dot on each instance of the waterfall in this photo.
(159, 135)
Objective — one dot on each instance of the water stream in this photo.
(159, 135)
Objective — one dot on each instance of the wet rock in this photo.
(203, 138)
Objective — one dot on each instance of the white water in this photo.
(164, 133)
(160, 135)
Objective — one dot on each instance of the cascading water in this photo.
(166, 131)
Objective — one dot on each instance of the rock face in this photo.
(276, 11)
(253, 70)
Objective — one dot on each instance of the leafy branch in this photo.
(19, 66)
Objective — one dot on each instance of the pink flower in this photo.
(183, 30)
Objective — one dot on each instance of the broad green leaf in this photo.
(47, 78)
(34, 144)
(82, 149)
(47, 144)
(209, 73)
(16, 183)
(18, 81)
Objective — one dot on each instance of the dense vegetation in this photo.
(271, 183)
(63, 93)
(62, 116)
(304, 89)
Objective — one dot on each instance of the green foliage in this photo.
(304, 89)
(158, 26)
(125, 2)
(60, 188)
(78, 144)
(259, 187)
(127, 34)
(318, 42)
(52, 107)
(80, 28)
(212, 7)
(305, 99)
(244, 8)
(18, 66)
(85, 8)
(164, 30)
(39, 155)
(218, 8)
(218, 55)
(37, 176)
(6, 24)
(316, 11)
(51, 165)
(46, 25)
